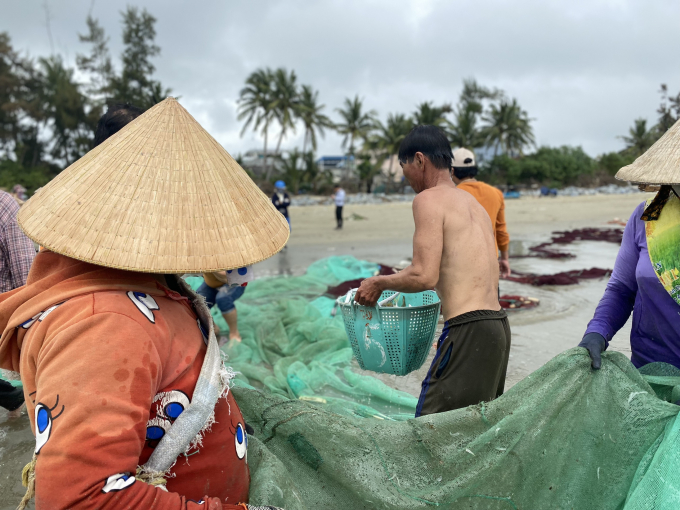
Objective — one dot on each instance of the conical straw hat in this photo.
(660, 164)
(160, 196)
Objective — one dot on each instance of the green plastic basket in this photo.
(391, 340)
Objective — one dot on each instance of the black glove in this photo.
(595, 343)
(11, 398)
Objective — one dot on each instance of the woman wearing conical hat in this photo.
(646, 276)
(128, 396)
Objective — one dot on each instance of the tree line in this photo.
(48, 118)
(273, 101)
(483, 120)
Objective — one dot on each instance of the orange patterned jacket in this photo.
(108, 360)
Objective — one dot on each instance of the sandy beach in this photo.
(394, 221)
(382, 233)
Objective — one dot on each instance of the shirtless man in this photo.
(454, 251)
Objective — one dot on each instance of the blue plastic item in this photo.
(391, 339)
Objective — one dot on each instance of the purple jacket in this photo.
(655, 335)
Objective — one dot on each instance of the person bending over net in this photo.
(454, 251)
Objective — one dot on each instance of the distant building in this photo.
(339, 166)
(253, 160)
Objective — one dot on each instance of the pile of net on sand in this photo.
(294, 345)
(565, 437)
(544, 250)
(327, 437)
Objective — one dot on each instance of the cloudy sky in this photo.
(583, 69)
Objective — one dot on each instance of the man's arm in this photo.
(20, 252)
(503, 241)
(423, 273)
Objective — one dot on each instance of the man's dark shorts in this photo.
(470, 364)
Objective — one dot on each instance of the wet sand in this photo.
(382, 233)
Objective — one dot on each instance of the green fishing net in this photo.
(565, 437)
(326, 437)
(293, 346)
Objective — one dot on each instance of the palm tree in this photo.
(311, 116)
(290, 170)
(355, 122)
(464, 132)
(255, 105)
(286, 102)
(640, 138)
(389, 135)
(313, 177)
(508, 127)
(473, 94)
(428, 115)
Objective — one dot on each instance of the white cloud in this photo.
(584, 69)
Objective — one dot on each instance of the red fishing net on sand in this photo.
(543, 250)
(564, 278)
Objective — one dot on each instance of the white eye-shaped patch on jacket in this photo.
(173, 403)
(43, 423)
(39, 316)
(118, 482)
(241, 439)
(145, 304)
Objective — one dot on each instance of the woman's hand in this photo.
(595, 344)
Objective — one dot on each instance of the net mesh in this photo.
(564, 437)
(327, 437)
(293, 345)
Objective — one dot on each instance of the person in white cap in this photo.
(463, 173)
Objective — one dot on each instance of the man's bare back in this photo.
(453, 251)
(468, 270)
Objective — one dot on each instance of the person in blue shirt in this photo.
(281, 200)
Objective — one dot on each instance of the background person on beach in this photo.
(463, 174)
(339, 198)
(281, 200)
(224, 295)
(16, 256)
(454, 252)
(646, 276)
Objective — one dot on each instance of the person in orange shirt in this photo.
(463, 173)
(127, 393)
